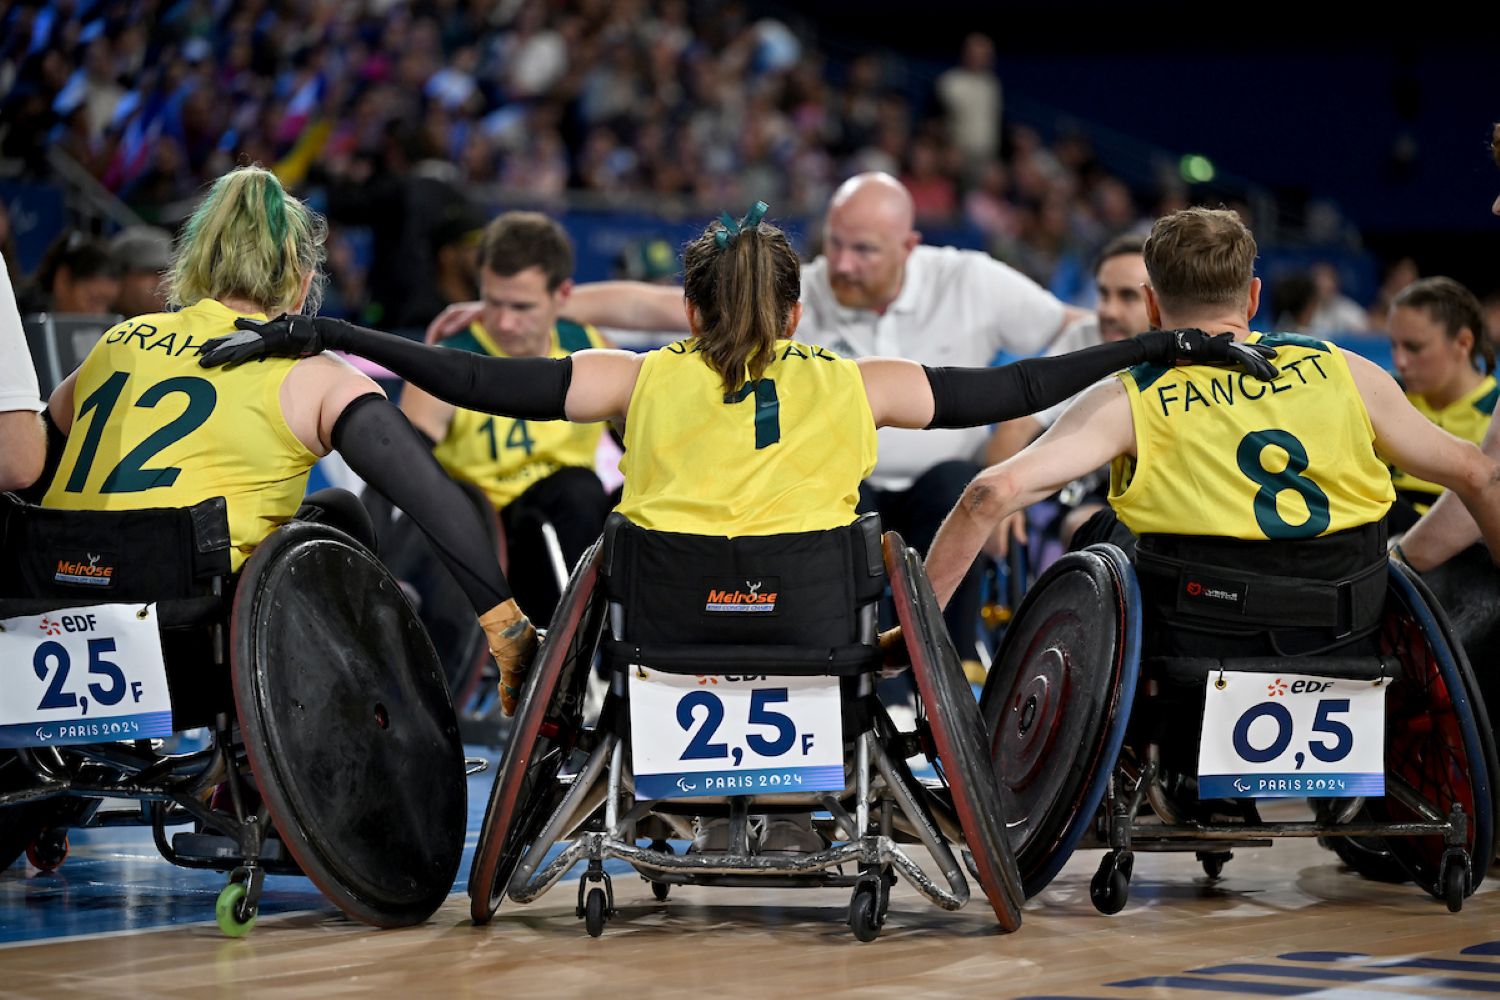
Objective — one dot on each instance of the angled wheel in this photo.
(526, 790)
(957, 730)
(1438, 740)
(1057, 703)
(348, 726)
(22, 823)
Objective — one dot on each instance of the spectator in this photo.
(142, 254)
(1334, 312)
(970, 94)
(78, 274)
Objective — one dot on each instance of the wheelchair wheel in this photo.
(1369, 856)
(20, 824)
(1057, 703)
(1436, 742)
(526, 789)
(348, 726)
(957, 730)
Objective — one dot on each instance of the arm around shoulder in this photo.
(628, 305)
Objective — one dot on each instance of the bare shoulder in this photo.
(1374, 383)
(326, 373)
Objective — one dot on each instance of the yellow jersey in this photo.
(783, 454)
(152, 429)
(1220, 453)
(1467, 417)
(504, 456)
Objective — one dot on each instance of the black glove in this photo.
(290, 335)
(1194, 347)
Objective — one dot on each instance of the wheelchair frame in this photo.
(1466, 838)
(880, 811)
(52, 789)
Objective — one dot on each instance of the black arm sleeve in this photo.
(972, 397)
(388, 453)
(526, 388)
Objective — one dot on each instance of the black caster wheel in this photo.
(660, 889)
(1110, 888)
(1456, 883)
(595, 912)
(864, 913)
(49, 850)
(1213, 862)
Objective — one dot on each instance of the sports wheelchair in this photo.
(1069, 678)
(664, 606)
(334, 750)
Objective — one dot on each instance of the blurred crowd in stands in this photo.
(382, 111)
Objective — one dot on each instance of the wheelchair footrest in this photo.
(210, 850)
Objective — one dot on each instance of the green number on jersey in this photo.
(767, 410)
(131, 475)
(1272, 484)
(519, 437)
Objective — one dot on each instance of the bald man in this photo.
(879, 290)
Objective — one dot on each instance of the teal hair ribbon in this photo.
(275, 211)
(732, 229)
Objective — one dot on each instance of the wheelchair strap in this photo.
(1238, 596)
(771, 660)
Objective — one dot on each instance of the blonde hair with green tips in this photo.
(249, 240)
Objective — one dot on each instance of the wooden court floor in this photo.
(1283, 921)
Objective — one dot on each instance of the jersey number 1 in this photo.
(767, 410)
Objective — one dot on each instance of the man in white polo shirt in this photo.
(23, 443)
(878, 290)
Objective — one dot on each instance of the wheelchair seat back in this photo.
(800, 603)
(175, 558)
(164, 554)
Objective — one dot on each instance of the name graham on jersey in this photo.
(146, 337)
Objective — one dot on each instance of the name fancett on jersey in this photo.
(1229, 388)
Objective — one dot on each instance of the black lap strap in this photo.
(774, 661)
(1234, 595)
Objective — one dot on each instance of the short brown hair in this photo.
(515, 241)
(1200, 257)
(1124, 245)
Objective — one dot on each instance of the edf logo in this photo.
(1276, 687)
